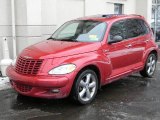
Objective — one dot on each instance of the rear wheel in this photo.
(150, 66)
(85, 87)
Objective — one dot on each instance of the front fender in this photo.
(93, 58)
(81, 61)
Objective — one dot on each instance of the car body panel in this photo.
(53, 48)
(113, 61)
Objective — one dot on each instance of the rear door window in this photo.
(144, 27)
(135, 28)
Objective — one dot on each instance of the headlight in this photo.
(64, 69)
(14, 62)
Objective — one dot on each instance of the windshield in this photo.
(81, 30)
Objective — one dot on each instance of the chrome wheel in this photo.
(87, 87)
(151, 65)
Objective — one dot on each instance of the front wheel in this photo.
(85, 87)
(150, 66)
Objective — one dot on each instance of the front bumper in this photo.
(40, 86)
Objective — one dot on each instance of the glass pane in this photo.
(93, 33)
(158, 1)
(81, 30)
(153, 11)
(118, 8)
(117, 29)
(158, 24)
(154, 1)
(69, 31)
(133, 28)
(158, 12)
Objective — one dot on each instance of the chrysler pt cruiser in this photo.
(83, 55)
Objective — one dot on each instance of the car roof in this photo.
(110, 17)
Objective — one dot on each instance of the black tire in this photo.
(145, 72)
(78, 88)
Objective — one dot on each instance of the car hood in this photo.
(52, 48)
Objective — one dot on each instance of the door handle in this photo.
(105, 51)
(128, 46)
(147, 41)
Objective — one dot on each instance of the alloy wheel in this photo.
(151, 65)
(87, 87)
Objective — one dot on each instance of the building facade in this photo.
(36, 20)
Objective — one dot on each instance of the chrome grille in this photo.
(28, 66)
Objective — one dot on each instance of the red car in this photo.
(83, 55)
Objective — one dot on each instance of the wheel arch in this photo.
(150, 52)
(144, 71)
(154, 52)
(95, 69)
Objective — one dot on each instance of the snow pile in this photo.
(4, 83)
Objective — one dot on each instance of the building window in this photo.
(118, 8)
(155, 23)
(158, 13)
(153, 11)
(154, 1)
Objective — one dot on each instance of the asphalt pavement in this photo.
(131, 98)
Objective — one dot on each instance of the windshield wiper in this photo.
(63, 39)
(50, 38)
(67, 39)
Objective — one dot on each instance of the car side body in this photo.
(109, 60)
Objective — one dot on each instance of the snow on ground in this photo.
(4, 83)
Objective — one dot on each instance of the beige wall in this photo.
(5, 23)
(93, 7)
(144, 7)
(36, 20)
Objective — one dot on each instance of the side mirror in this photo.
(115, 39)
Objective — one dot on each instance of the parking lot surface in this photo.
(131, 98)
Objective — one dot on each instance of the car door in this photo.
(118, 51)
(136, 35)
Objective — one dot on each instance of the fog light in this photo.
(55, 90)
